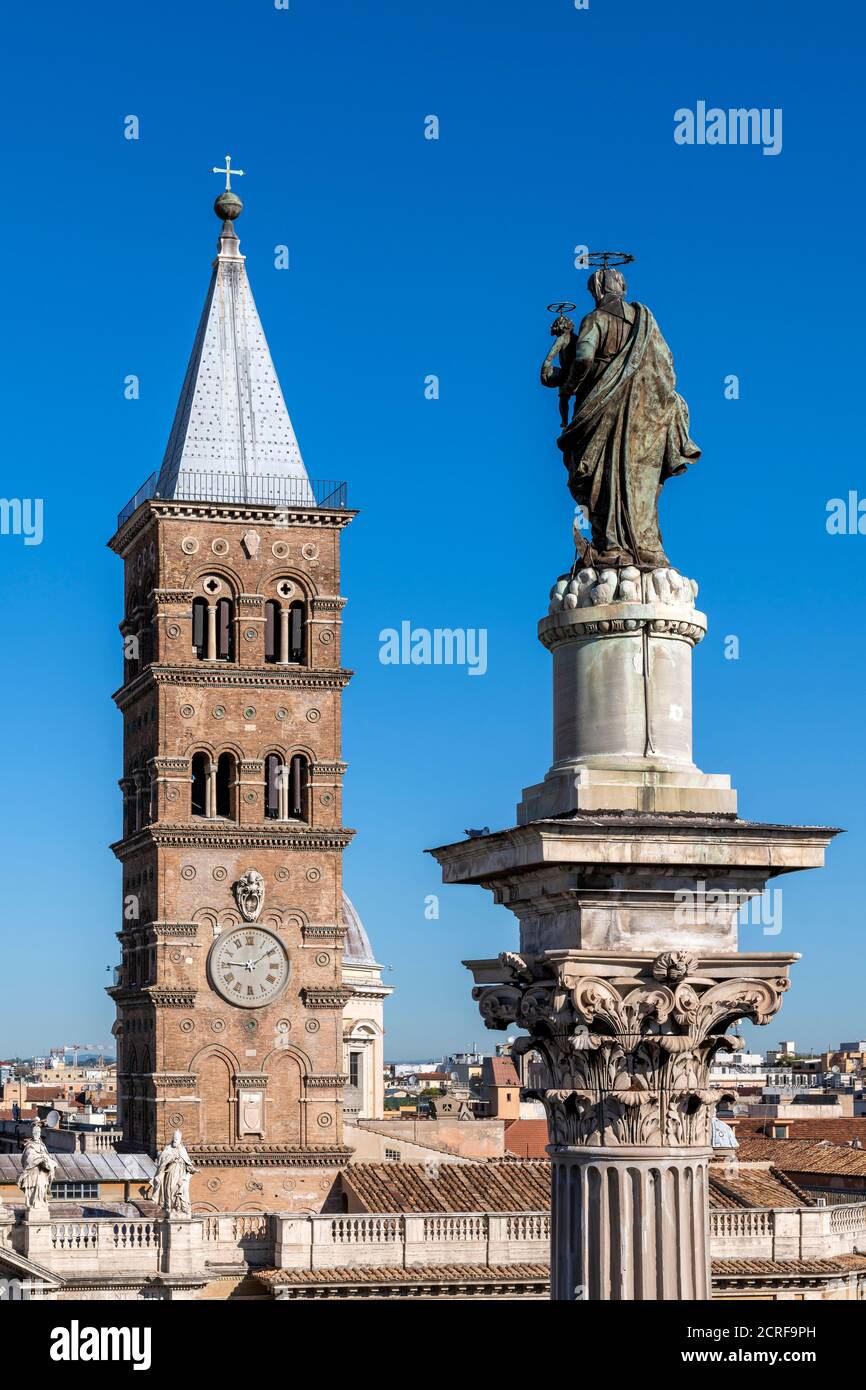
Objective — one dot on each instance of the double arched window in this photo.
(213, 629)
(287, 787)
(285, 633)
(214, 790)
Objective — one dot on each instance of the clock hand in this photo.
(262, 956)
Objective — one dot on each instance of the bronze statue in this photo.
(629, 429)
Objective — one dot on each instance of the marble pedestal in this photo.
(622, 699)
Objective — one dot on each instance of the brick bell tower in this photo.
(229, 995)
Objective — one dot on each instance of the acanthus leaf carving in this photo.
(626, 1060)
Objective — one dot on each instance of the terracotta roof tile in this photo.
(399, 1274)
(735, 1185)
(804, 1155)
(498, 1185)
(527, 1138)
(499, 1071)
(838, 1264)
(838, 1131)
(524, 1185)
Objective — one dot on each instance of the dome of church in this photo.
(357, 949)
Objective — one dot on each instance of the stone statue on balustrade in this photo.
(37, 1171)
(628, 430)
(169, 1185)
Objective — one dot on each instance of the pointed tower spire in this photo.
(232, 439)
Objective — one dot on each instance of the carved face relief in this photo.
(250, 894)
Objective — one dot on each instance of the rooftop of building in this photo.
(512, 1184)
(804, 1155)
(109, 1166)
(527, 1138)
(842, 1129)
(499, 1071)
(735, 1184)
(497, 1185)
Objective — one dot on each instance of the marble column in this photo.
(626, 1043)
(630, 1227)
(211, 647)
(627, 871)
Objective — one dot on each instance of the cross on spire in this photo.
(228, 171)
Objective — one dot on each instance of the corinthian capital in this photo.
(627, 1042)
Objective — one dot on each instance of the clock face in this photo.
(248, 966)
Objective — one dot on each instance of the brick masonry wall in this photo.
(182, 1045)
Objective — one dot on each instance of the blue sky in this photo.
(412, 257)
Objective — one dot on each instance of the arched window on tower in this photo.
(131, 644)
(275, 787)
(200, 784)
(296, 632)
(145, 640)
(225, 630)
(298, 788)
(226, 786)
(272, 631)
(199, 627)
(285, 629)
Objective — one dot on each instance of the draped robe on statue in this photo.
(628, 434)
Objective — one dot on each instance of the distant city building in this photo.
(500, 1088)
(363, 1022)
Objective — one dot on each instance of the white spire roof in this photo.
(232, 439)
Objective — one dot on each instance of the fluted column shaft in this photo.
(629, 1224)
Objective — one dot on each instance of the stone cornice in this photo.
(335, 997)
(370, 991)
(612, 620)
(247, 1079)
(161, 996)
(173, 595)
(226, 835)
(323, 1082)
(157, 508)
(269, 1156)
(174, 1080)
(328, 603)
(225, 675)
(635, 839)
(160, 931)
(324, 931)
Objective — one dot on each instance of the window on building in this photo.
(392, 1155)
(296, 632)
(272, 631)
(75, 1189)
(225, 630)
(199, 627)
(299, 776)
(355, 1059)
(275, 776)
(200, 777)
(226, 788)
